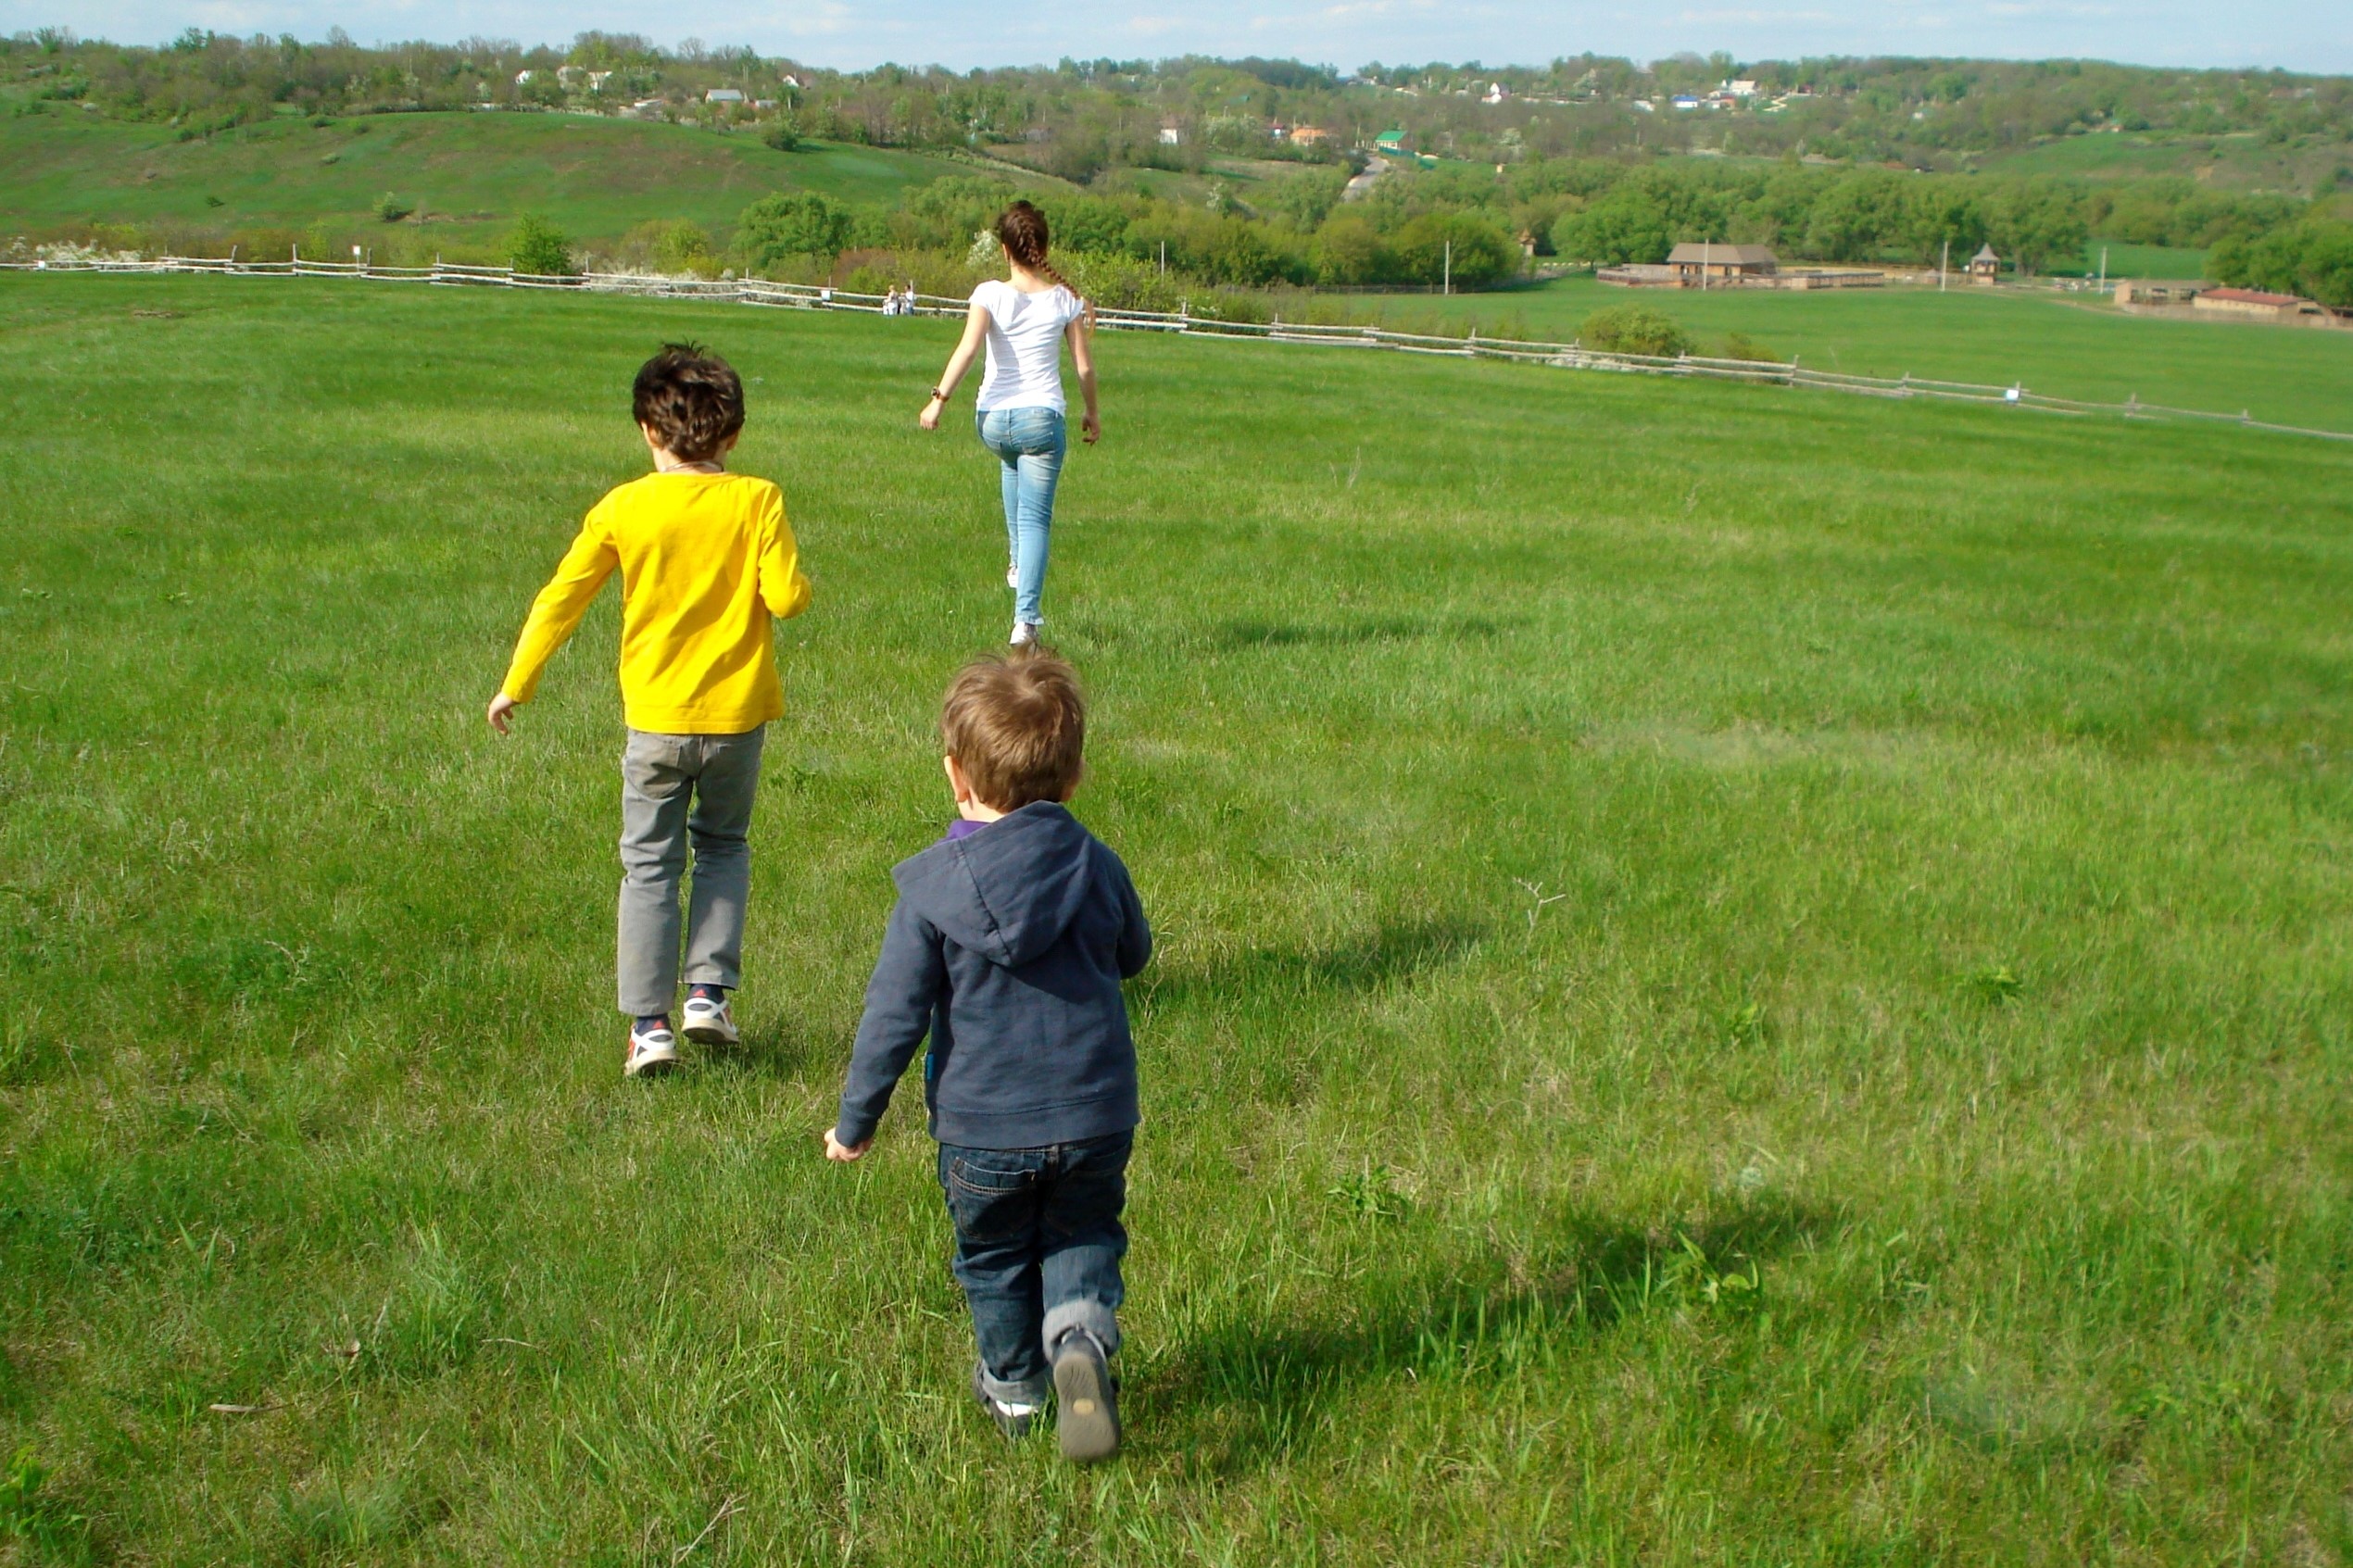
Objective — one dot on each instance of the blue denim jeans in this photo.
(1029, 443)
(1038, 1248)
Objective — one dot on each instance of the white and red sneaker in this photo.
(708, 1022)
(653, 1050)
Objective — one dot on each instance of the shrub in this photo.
(391, 208)
(1635, 329)
(1122, 282)
(539, 248)
(2314, 259)
(668, 246)
(1626, 225)
(775, 229)
(1348, 249)
(1481, 253)
(1739, 345)
(782, 135)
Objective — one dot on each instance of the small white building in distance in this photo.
(522, 78)
(723, 95)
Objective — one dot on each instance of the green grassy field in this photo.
(2070, 345)
(463, 173)
(2234, 160)
(1745, 977)
(2126, 261)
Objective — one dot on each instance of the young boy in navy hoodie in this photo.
(1007, 947)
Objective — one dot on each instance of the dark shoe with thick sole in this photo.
(1087, 1417)
(1012, 1420)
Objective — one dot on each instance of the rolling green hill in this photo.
(462, 172)
(2236, 161)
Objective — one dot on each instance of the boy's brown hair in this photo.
(1017, 726)
(693, 400)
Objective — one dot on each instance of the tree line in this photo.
(1476, 226)
(1076, 119)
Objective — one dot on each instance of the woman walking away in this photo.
(1024, 321)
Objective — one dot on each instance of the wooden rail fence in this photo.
(1563, 356)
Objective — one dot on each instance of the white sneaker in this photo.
(651, 1051)
(709, 1024)
(1024, 633)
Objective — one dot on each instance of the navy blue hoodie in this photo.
(1007, 946)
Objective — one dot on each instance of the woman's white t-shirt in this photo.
(1025, 345)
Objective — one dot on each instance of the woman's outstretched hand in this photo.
(929, 417)
(1091, 429)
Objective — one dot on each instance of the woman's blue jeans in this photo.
(1029, 443)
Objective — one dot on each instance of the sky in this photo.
(2307, 35)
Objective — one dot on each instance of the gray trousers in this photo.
(676, 790)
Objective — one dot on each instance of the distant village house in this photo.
(1984, 267)
(1698, 261)
(1709, 264)
(723, 95)
(2256, 305)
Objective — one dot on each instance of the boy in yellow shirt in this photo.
(705, 561)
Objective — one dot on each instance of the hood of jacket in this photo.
(1009, 890)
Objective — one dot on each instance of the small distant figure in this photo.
(890, 301)
(1007, 947)
(707, 560)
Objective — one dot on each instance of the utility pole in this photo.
(1447, 286)
(2103, 269)
(1943, 260)
(1164, 257)
(1702, 265)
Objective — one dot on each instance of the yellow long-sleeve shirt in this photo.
(706, 560)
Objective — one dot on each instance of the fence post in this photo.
(1184, 316)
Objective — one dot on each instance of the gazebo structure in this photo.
(1984, 267)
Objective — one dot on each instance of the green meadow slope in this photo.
(2070, 345)
(461, 172)
(2239, 160)
(1744, 977)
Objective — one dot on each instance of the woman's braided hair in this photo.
(1020, 229)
